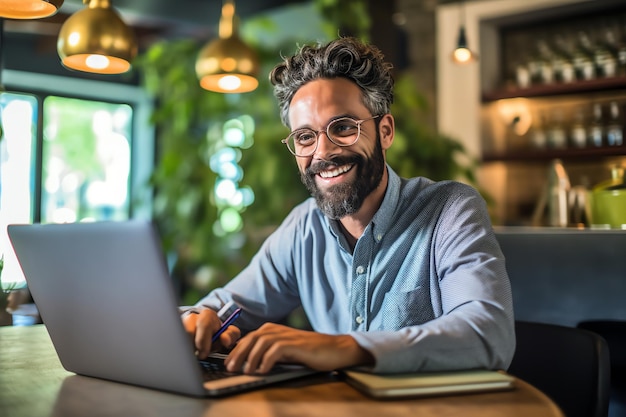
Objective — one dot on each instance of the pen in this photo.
(230, 320)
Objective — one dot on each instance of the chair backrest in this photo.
(614, 332)
(569, 365)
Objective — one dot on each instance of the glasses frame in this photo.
(358, 122)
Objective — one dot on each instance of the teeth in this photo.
(335, 172)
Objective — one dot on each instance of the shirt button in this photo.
(379, 237)
(359, 319)
(360, 270)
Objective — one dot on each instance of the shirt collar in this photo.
(383, 218)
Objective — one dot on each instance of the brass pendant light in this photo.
(227, 64)
(29, 9)
(96, 39)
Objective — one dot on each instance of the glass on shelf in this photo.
(615, 126)
(621, 50)
(583, 57)
(596, 128)
(605, 53)
(562, 60)
(557, 135)
(578, 132)
(539, 138)
(522, 75)
(540, 64)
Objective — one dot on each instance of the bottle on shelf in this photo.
(621, 50)
(516, 65)
(522, 76)
(578, 132)
(596, 127)
(605, 54)
(558, 189)
(562, 60)
(578, 203)
(540, 65)
(615, 126)
(539, 136)
(552, 206)
(583, 57)
(557, 135)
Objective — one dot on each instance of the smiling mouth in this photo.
(332, 173)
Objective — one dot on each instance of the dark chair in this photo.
(614, 332)
(568, 364)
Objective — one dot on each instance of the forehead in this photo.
(320, 100)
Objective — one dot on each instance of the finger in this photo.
(274, 354)
(230, 337)
(257, 353)
(285, 347)
(238, 356)
(269, 336)
(189, 323)
(207, 324)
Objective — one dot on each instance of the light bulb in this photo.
(97, 62)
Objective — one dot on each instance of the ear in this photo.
(386, 127)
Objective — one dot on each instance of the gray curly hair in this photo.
(344, 57)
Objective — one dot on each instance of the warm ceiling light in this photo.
(96, 39)
(29, 9)
(462, 54)
(227, 64)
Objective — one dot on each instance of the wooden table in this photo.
(33, 383)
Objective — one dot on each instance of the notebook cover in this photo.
(428, 384)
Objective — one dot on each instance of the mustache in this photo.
(324, 164)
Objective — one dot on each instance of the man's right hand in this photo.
(202, 326)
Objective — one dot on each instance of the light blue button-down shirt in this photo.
(425, 289)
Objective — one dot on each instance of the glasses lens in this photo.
(302, 141)
(344, 131)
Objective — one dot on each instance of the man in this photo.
(395, 274)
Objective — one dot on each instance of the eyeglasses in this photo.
(344, 131)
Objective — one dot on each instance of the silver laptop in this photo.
(106, 298)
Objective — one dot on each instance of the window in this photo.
(82, 151)
(85, 165)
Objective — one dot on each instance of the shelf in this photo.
(541, 155)
(585, 86)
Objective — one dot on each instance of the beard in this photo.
(344, 199)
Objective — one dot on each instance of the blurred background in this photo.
(531, 113)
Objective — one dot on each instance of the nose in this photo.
(324, 146)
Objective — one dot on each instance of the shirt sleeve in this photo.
(474, 328)
(266, 289)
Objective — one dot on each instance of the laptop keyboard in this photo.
(214, 368)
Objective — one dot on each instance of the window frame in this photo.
(142, 141)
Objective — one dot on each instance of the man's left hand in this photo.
(261, 349)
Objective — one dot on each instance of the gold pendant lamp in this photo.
(97, 40)
(227, 64)
(29, 9)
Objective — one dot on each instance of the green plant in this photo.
(5, 318)
(417, 149)
(349, 16)
(190, 128)
(3, 290)
(189, 123)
